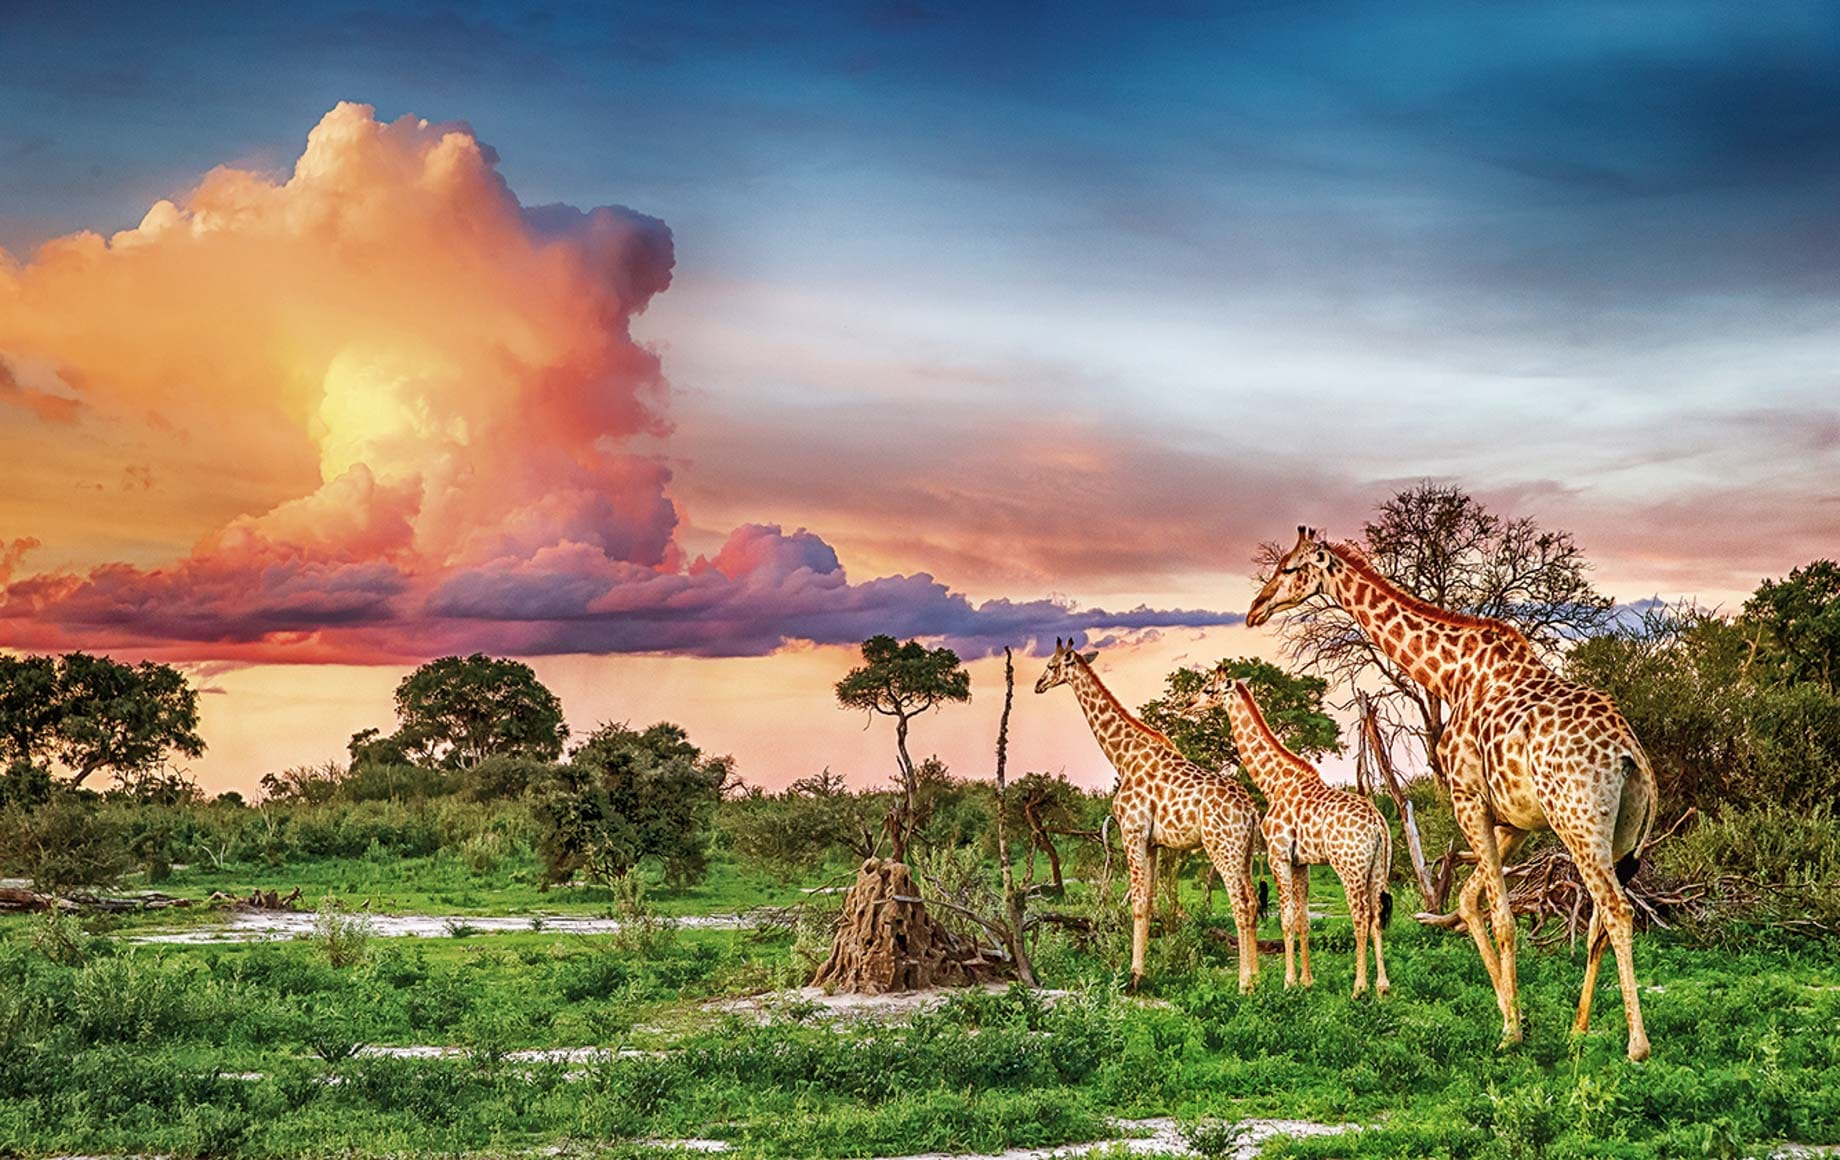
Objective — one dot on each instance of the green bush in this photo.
(1767, 866)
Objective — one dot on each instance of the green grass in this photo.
(134, 1048)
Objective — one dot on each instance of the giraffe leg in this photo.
(1302, 879)
(1231, 858)
(1595, 942)
(1376, 886)
(1478, 828)
(1508, 841)
(1282, 872)
(1362, 912)
(1618, 919)
(1140, 861)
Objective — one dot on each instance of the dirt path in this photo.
(264, 925)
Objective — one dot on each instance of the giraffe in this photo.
(1163, 800)
(1525, 749)
(1308, 822)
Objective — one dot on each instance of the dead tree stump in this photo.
(886, 941)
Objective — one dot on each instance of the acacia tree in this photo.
(91, 713)
(1442, 545)
(458, 711)
(903, 680)
(1292, 704)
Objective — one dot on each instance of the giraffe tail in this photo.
(1386, 908)
(1264, 898)
(1635, 818)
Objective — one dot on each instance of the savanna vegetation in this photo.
(679, 1018)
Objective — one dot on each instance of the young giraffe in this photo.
(1307, 823)
(1163, 800)
(1524, 749)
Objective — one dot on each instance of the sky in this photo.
(677, 348)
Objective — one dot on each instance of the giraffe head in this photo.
(1300, 574)
(1060, 665)
(1215, 688)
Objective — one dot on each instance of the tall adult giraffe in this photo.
(1163, 800)
(1308, 822)
(1525, 749)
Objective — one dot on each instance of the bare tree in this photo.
(1441, 544)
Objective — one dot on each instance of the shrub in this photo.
(341, 936)
(1767, 865)
(62, 844)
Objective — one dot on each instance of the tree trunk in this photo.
(1012, 898)
(901, 818)
(1382, 759)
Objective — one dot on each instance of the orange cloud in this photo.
(458, 371)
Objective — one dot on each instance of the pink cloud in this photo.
(463, 370)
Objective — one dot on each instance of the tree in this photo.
(92, 713)
(1799, 622)
(1293, 705)
(457, 711)
(1442, 545)
(903, 681)
(626, 795)
(28, 707)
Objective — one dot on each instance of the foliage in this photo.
(457, 711)
(815, 820)
(62, 843)
(1293, 706)
(1443, 545)
(903, 680)
(1800, 621)
(627, 795)
(92, 713)
(24, 784)
(341, 936)
(1769, 869)
(1717, 719)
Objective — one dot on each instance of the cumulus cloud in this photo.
(460, 372)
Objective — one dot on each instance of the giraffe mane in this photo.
(1133, 718)
(1349, 554)
(1258, 716)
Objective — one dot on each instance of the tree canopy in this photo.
(457, 711)
(626, 795)
(903, 680)
(1293, 706)
(1798, 619)
(92, 713)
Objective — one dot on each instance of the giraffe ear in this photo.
(1090, 657)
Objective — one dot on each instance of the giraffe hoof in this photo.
(1638, 1051)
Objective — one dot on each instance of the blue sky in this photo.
(1070, 301)
(1609, 229)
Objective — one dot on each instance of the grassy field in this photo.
(107, 1045)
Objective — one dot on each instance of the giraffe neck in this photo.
(1112, 724)
(1438, 649)
(1279, 773)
